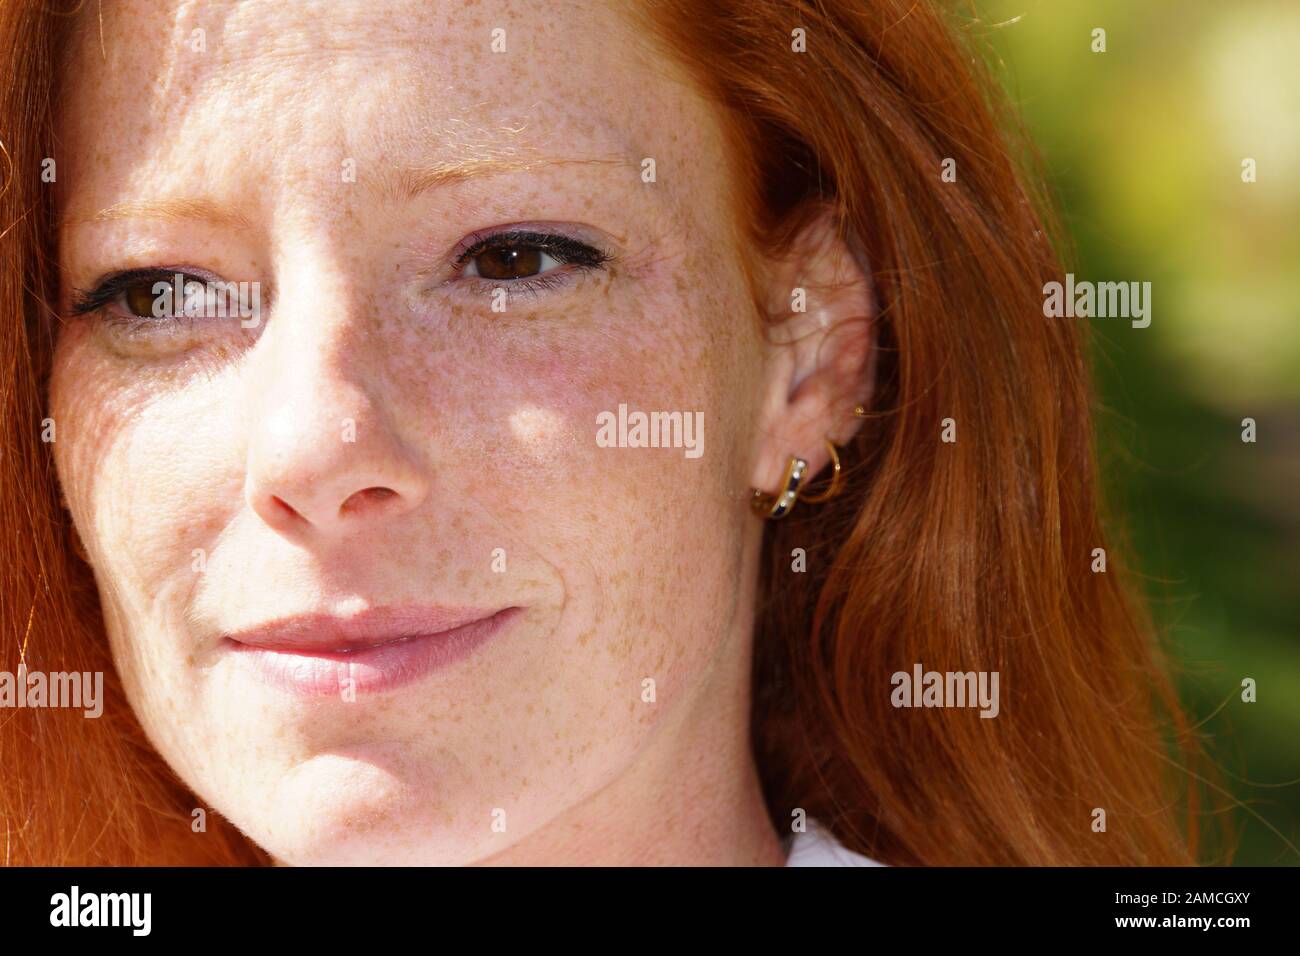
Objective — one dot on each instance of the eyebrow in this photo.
(168, 210)
(407, 182)
(402, 183)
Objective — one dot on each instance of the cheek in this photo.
(646, 540)
(147, 467)
(526, 393)
(145, 476)
(528, 410)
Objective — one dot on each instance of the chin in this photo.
(347, 810)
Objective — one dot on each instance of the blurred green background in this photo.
(1143, 147)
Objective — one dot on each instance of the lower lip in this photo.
(351, 674)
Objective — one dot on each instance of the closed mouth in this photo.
(320, 655)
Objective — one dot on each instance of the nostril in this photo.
(366, 498)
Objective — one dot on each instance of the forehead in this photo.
(272, 92)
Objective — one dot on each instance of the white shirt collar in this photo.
(817, 846)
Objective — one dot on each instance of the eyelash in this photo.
(565, 250)
(107, 290)
(113, 286)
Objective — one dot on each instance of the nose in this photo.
(324, 457)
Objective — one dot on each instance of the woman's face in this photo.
(286, 507)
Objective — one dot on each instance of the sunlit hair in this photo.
(972, 555)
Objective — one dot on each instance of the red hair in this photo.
(971, 555)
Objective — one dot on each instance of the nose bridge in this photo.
(325, 455)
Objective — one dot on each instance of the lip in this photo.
(377, 650)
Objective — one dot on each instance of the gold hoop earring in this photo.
(837, 478)
(778, 506)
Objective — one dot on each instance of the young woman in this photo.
(580, 433)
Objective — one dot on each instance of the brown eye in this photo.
(139, 298)
(510, 262)
(172, 297)
(526, 260)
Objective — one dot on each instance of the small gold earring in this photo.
(837, 478)
(779, 505)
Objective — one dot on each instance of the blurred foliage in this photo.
(1143, 148)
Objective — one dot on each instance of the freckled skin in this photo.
(630, 563)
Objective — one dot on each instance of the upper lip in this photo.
(354, 632)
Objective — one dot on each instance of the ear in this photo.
(821, 351)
